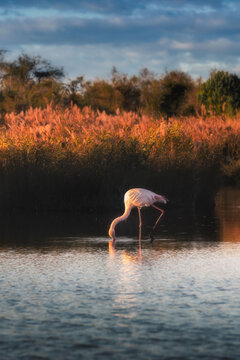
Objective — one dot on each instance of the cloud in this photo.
(129, 34)
(116, 6)
(97, 60)
(121, 30)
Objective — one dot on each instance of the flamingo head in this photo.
(161, 199)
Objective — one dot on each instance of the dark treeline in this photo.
(30, 81)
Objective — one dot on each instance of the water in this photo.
(67, 293)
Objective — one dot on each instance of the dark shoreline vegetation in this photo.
(72, 159)
(79, 145)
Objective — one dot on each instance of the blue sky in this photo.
(90, 37)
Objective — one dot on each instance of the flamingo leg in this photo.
(154, 226)
(140, 226)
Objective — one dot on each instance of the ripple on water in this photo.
(78, 298)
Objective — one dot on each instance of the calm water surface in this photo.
(67, 293)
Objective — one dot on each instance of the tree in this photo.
(101, 95)
(29, 68)
(175, 88)
(150, 87)
(28, 81)
(74, 92)
(220, 93)
(167, 95)
(129, 90)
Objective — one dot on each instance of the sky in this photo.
(89, 37)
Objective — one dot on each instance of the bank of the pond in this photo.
(76, 159)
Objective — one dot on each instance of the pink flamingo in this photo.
(138, 198)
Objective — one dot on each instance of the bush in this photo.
(221, 93)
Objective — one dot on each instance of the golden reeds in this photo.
(97, 148)
(75, 129)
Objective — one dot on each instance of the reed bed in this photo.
(76, 159)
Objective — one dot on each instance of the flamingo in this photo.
(138, 198)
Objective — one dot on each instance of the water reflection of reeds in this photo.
(228, 212)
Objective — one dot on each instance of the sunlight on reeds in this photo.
(94, 146)
(78, 130)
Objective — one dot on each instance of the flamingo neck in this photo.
(123, 217)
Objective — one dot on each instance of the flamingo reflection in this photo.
(127, 257)
(111, 249)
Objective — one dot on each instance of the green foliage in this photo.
(221, 93)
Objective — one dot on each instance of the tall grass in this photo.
(81, 159)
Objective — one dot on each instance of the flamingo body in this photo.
(137, 198)
(142, 197)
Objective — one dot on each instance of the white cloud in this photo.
(97, 61)
(178, 45)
